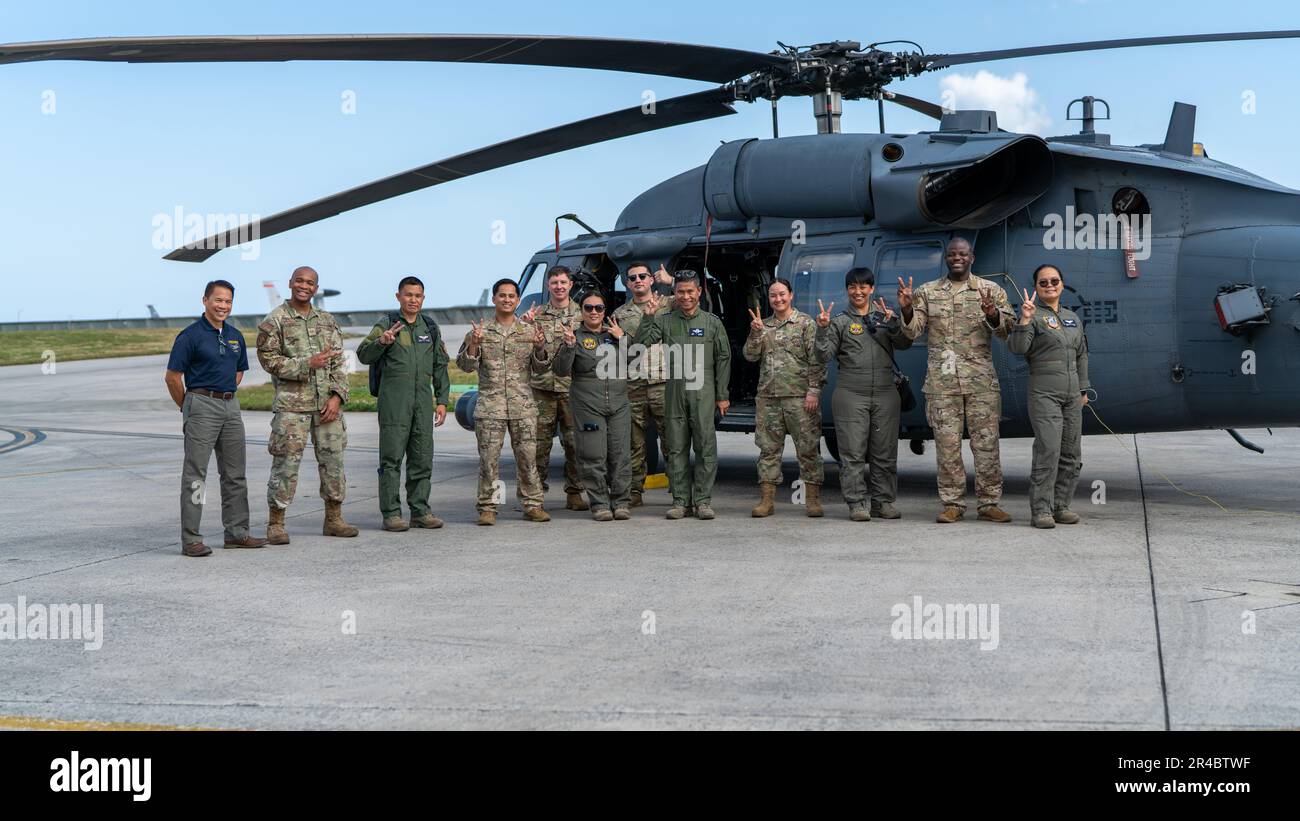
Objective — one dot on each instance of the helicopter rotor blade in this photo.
(920, 106)
(692, 62)
(937, 61)
(674, 111)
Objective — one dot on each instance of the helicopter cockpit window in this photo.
(534, 285)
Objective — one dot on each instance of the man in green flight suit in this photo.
(408, 349)
(699, 371)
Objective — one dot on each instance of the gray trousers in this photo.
(866, 428)
(213, 424)
(1058, 455)
(604, 442)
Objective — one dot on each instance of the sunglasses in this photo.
(635, 277)
(595, 309)
(1043, 283)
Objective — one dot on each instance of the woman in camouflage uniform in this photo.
(789, 396)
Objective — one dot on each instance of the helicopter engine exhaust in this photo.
(921, 181)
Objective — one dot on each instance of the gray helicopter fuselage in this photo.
(1159, 358)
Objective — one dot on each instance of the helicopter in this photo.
(1192, 315)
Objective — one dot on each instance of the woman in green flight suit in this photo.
(1054, 344)
(601, 411)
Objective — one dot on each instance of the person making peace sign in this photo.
(790, 383)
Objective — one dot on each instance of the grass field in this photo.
(259, 397)
(27, 347)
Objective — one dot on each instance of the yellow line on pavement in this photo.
(38, 723)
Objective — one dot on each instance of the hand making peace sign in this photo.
(824, 314)
(389, 336)
(1028, 308)
(755, 320)
(904, 294)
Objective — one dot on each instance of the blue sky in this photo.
(82, 186)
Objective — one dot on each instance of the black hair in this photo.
(785, 282)
(1040, 268)
(409, 281)
(860, 276)
(686, 275)
(496, 286)
(218, 283)
(559, 269)
(585, 295)
(637, 264)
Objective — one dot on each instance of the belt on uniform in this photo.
(214, 394)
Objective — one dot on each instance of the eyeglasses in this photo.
(635, 277)
(1043, 283)
(595, 309)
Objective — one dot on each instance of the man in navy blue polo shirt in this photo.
(210, 357)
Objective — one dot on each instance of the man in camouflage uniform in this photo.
(645, 384)
(301, 347)
(962, 312)
(504, 351)
(552, 392)
(789, 396)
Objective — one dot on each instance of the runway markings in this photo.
(23, 437)
(39, 723)
(40, 435)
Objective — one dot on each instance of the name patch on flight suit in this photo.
(589, 343)
(424, 338)
(1070, 323)
(855, 328)
(697, 332)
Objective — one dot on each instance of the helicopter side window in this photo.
(920, 260)
(819, 275)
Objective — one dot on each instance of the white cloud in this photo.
(1017, 105)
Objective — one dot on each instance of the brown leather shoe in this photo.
(247, 541)
(427, 520)
(993, 513)
(574, 501)
(196, 550)
(487, 517)
(949, 515)
(536, 514)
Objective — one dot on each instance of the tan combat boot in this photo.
(536, 514)
(637, 499)
(275, 527)
(334, 524)
(993, 513)
(487, 518)
(950, 514)
(813, 501)
(574, 501)
(767, 505)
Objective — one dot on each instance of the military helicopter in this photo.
(1202, 333)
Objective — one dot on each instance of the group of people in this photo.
(599, 377)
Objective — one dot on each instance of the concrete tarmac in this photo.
(1159, 611)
